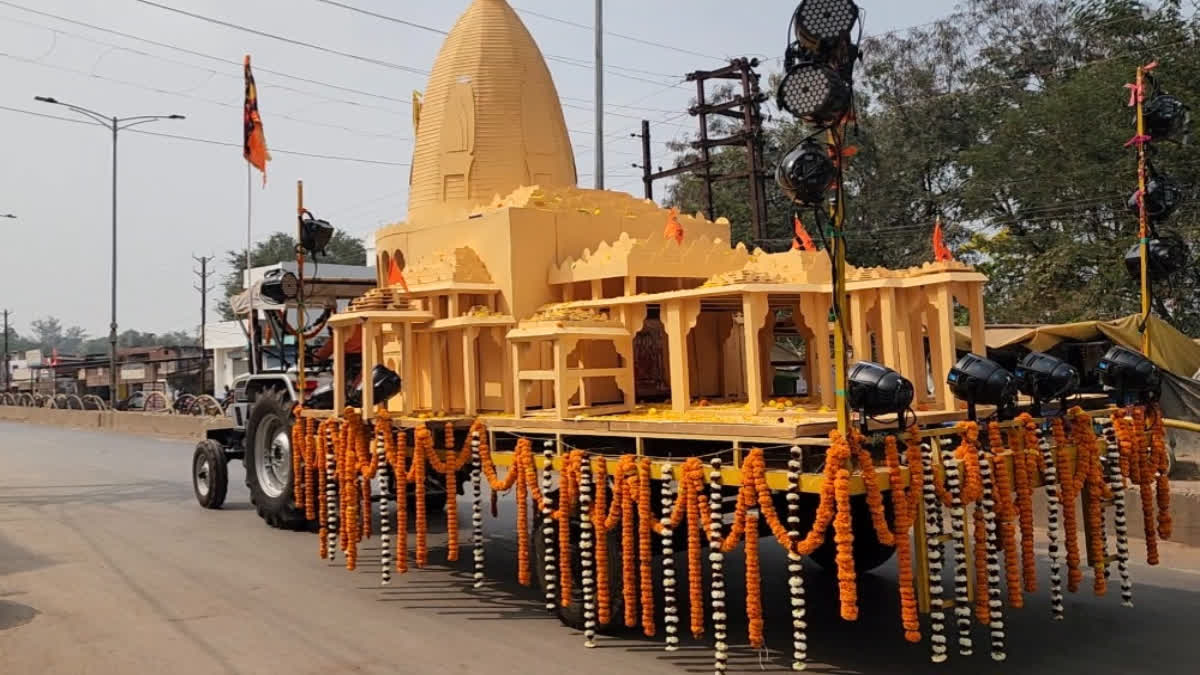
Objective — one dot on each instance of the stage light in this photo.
(976, 380)
(806, 173)
(1163, 196)
(280, 286)
(824, 22)
(815, 93)
(1043, 378)
(1130, 375)
(1167, 254)
(314, 233)
(1167, 118)
(385, 383)
(878, 390)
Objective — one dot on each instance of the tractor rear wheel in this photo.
(268, 463)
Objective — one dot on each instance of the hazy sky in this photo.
(184, 197)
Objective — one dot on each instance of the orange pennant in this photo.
(940, 252)
(254, 141)
(395, 276)
(802, 240)
(674, 230)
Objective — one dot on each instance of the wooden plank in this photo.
(339, 368)
(754, 314)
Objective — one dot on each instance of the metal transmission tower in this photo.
(747, 107)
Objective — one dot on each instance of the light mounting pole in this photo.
(115, 125)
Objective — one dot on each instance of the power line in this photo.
(144, 87)
(550, 57)
(211, 141)
(631, 38)
(287, 40)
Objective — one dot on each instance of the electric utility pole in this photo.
(7, 370)
(204, 287)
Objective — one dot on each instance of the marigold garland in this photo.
(646, 547)
(1142, 466)
(979, 549)
(844, 537)
(1097, 489)
(628, 560)
(1006, 512)
(400, 477)
(1067, 492)
(1162, 463)
(1023, 481)
(754, 613)
(874, 495)
(904, 505)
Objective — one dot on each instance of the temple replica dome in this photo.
(510, 290)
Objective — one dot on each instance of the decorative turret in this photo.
(490, 121)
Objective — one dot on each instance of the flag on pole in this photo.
(940, 252)
(254, 142)
(674, 229)
(395, 276)
(802, 241)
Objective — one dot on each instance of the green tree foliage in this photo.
(1008, 119)
(343, 249)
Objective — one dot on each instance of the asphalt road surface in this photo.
(107, 565)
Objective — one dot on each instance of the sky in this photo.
(349, 117)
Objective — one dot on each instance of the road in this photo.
(107, 565)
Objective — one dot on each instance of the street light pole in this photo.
(115, 124)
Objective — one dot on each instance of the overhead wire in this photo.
(211, 141)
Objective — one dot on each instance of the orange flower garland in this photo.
(400, 477)
(1089, 477)
(979, 533)
(874, 494)
(1144, 475)
(599, 515)
(1162, 463)
(1023, 480)
(1068, 490)
(645, 547)
(844, 535)
(1006, 511)
(322, 507)
(695, 504)
(904, 505)
(422, 445)
(753, 583)
(628, 561)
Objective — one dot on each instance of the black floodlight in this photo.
(314, 233)
(385, 383)
(976, 380)
(280, 286)
(825, 22)
(1130, 375)
(1163, 196)
(878, 390)
(806, 173)
(1044, 378)
(815, 93)
(1167, 119)
(1167, 254)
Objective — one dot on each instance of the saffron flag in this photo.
(395, 276)
(940, 252)
(802, 240)
(674, 229)
(254, 142)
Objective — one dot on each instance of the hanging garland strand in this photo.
(962, 597)
(1069, 489)
(1116, 483)
(477, 507)
(399, 460)
(717, 561)
(550, 567)
(994, 604)
(1052, 519)
(1162, 465)
(1005, 513)
(586, 526)
(667, 534)
(383, 452)
(646, 547)
(934, 549)
(795, 563)
(904, 504)
(1090, 479)
(1024, 473)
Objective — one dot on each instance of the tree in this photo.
(343, 249)
(1007, 119)
(49, 335)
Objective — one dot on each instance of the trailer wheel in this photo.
(868, 552)
(572, 614)
(268, 461)
(210, 474)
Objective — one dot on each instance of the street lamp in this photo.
(115, 124)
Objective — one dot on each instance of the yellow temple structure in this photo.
(527, 298)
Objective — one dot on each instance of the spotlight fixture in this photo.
(976, 380)
(1167, 254)
(280, 286)
(823, 23)
(1130, 375)
(814, 93)
(1163, 196)
(878, 390)
(314, 233)
(806, 173)
(1044, 378)
(1167, 119)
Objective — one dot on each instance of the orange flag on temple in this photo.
(940, 252)
(254, 142)
(674, 229)
(395, 276)
(802, 241)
